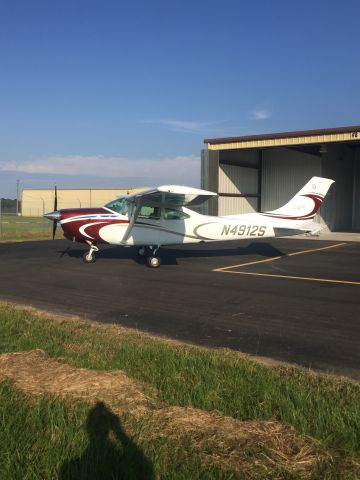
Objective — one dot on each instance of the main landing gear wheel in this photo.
(89, 257)
(153, 262)
(142, 251)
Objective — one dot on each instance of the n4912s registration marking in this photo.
(244, 230)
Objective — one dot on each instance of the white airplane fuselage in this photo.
(109, 227)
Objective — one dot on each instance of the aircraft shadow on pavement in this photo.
(170, 255)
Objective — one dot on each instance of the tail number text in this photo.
(244, 230)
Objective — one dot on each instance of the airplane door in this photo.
(146, 230)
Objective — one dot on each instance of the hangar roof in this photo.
(302, 137)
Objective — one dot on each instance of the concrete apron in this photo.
(331, 236)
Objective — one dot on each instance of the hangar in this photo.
(36, 202)
(262, 172)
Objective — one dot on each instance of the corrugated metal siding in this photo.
(236, 205)
(244, 157)
(210, 180)
(234, 179)
(356, 193)
(284, 173)
(338, 164)
(276, 140)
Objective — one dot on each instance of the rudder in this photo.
(305, 204)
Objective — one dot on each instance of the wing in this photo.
(165, 196)
(172, 196)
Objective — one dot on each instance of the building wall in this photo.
(36, 202)
(284, 172)
(356, 193)
(237, 180)
(236, 205)
(338, 164)
(210, 179)
(238, 175)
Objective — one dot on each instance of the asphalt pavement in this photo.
(292, 300)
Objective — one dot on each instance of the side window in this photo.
(149, 212)
(170, 214)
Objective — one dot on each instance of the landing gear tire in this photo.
(89, 257)
(142, 252)
(153, 262)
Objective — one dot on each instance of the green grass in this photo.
(49, 439)
(24, 228)
(321, 406)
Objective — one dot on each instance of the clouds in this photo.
(207, 128)
(260, 114)
(186, 126)
(178, 169)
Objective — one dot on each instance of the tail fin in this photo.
(306, 202)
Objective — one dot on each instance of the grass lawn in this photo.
(203, 413)
(24, 228)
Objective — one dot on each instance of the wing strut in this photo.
(134, 214)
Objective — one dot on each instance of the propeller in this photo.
(55, 209)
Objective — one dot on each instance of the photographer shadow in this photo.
(111, 454)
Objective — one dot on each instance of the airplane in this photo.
(163, 216)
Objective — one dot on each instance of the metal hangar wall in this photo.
(262, 172)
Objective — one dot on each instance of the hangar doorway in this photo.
(261, 177)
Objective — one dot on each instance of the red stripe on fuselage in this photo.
(72, 228)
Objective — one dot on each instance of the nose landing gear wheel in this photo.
(89, 257)
(153, 262)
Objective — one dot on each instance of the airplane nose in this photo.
(53, 215)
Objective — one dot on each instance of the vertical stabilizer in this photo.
(305, 204)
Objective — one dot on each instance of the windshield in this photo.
(119, 205)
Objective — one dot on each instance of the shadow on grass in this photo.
(111, 454)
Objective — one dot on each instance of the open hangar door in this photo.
(235, 175)
(286, 170)
(239, 182)
(262, 179)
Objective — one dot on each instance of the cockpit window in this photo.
(170, 214)
(147, 211)
(119, 205)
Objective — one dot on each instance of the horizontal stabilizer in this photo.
(288, 228)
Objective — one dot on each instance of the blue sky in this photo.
(115, 93)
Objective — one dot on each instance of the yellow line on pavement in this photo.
(222, 269)
(293, 277)
(301, 252)
(316, 249)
